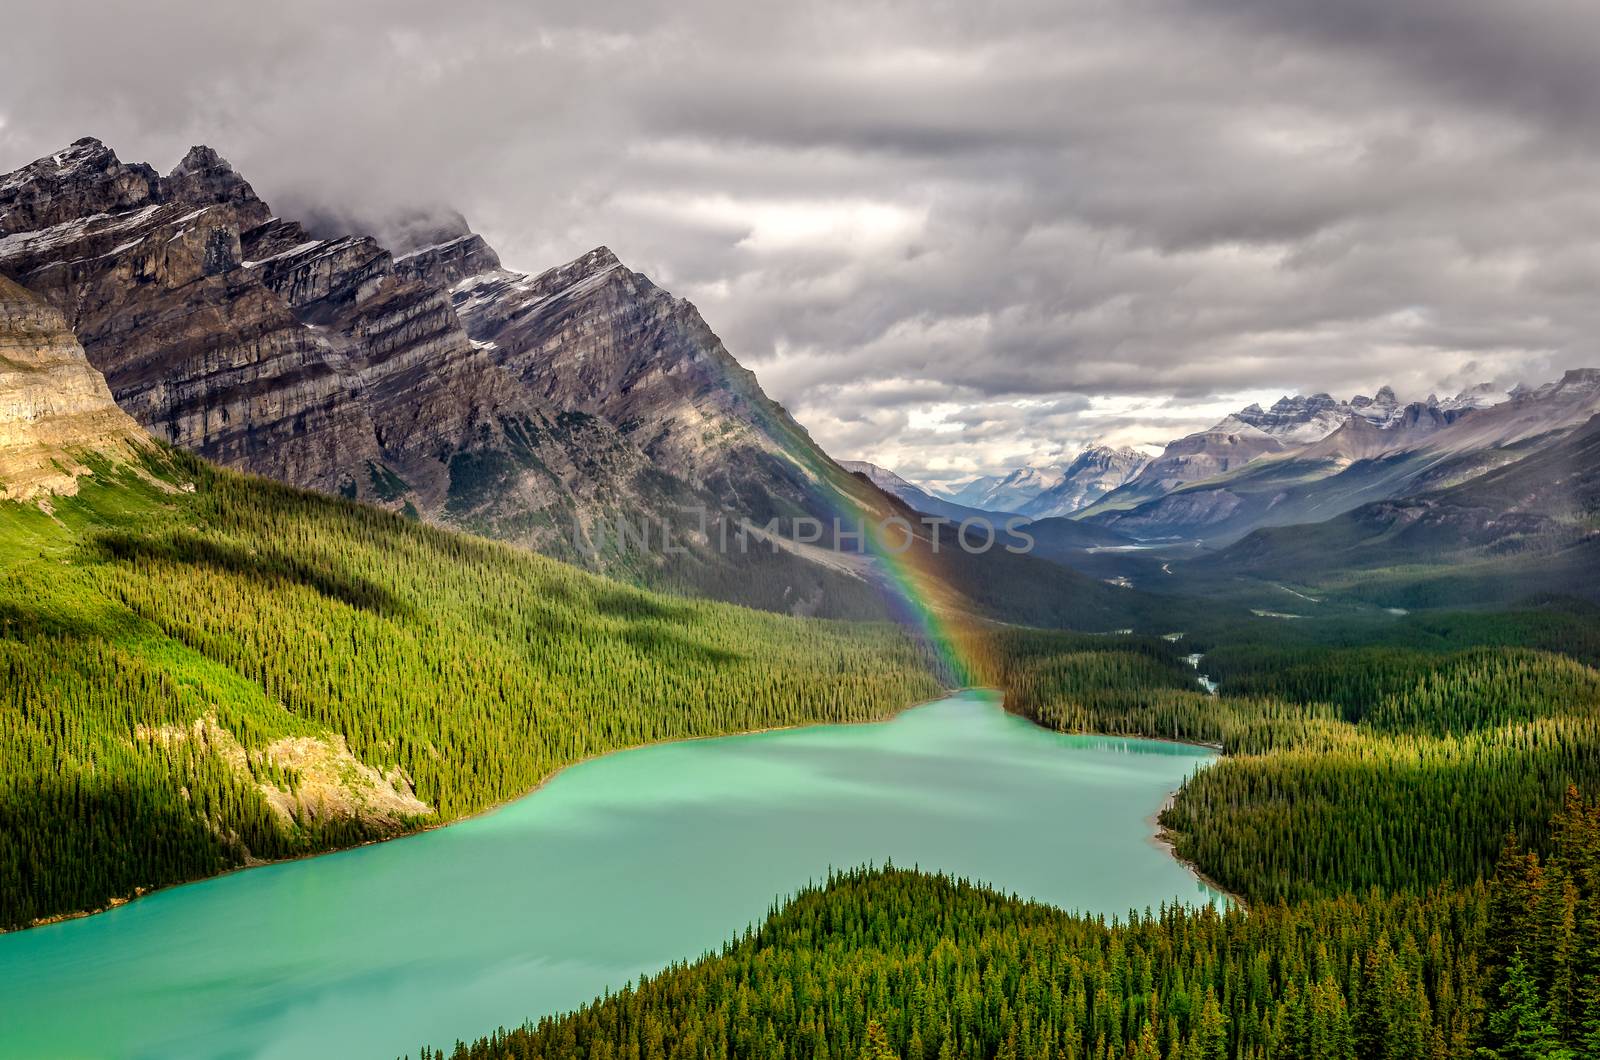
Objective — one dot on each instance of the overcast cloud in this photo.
(951, 237)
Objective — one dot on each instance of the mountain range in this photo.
(1284, 466)
(543, 409)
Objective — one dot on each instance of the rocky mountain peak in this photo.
(598, 260)
(1384, 398)
(204, 177)
(1297, 419)
(82, 179)
(1099, 455)
(1580, 379)
(198, 159)
(1483, 395)
(1090, 475)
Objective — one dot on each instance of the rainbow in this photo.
(918, 597)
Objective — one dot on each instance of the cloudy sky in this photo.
(951, 237)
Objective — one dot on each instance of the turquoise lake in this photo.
(618, 866)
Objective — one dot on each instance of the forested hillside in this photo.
(202, 669)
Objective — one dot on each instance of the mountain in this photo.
(1230, 444)
(582, 411)
(1011, 492)
(1300, 420)
(1528, 526)
(1061, 541)
(915, 496)
(1092, 474)
(1048, 490)
(1297, 420)
(1293, 422)
(1382, 449)
(970, 491)
(232, 333)
(56, 413)
(543, 410)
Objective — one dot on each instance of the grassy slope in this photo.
(359, 672)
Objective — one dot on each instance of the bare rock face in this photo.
(1230, 444)
(55, 409)
(595, 337)
(80, 181)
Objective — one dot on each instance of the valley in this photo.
(306, 549)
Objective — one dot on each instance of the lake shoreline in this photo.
(1157, 836)
(1164, 839)
(258, 863)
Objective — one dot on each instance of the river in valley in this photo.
(617, 866)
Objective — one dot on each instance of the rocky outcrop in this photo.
(1231, 444)
(82, 181)
(55, 409)
(1298, 420)
(1360, 438)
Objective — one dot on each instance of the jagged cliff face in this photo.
(422, 377)
(1231, 444)
(55, 409)
(596, 338)
(321, 362)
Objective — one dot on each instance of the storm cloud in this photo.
(950, 237)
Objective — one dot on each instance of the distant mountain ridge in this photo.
(1012, 491)
(1048, 490)
(913, 495)
(1092, 474)
(1223, 483)
(1528, 526)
